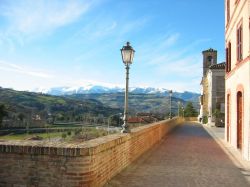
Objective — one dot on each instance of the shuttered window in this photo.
(239, 43)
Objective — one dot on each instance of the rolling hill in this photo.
(28, 106)
(155, 103)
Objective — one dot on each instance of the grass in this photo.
(78, 134)
(27, 136)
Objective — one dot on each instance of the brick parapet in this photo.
(191, 118)
(74, 149)
(91, 163)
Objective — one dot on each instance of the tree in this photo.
(21, 117)
(116, 120)
(190, 111)
(3, 113)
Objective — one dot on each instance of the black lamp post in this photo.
(170, 97)
(127, 57)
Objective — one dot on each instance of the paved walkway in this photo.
(188, 156)
(218, 134)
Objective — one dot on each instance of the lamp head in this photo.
(127, 54)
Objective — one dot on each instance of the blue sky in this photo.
(46, 43)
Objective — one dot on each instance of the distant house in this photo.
(135, 120)
(143, 118)
(156, 117)
(212, 100)
(237, 34)
(36, 117)
(144, 114)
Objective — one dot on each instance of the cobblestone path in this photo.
(187, 157)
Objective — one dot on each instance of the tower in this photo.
(209, 58)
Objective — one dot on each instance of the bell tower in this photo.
(209, 58)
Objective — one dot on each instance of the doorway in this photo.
(228, 117)
(239, 119)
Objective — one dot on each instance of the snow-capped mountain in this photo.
(91, 89)
(97, 89)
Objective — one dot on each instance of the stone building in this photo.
(237, 36)
(212, 100)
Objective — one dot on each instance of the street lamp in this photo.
(182, 111)
(170, 97)
(127, 53)
(179, 103)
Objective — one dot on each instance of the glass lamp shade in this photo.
(127, 54)
(170, 92)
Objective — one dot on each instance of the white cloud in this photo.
(96, 29)
(132, 25)
(10, 67)
(159, 49)
(170, 40)
(173, 66)
(104, 30)
(163, 53)
(38, 17)
(187, 66)
(102, 27)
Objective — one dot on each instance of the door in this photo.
(228, 117)
(239, 120)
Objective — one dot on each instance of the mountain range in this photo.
(141, 99)
(71, 103)
(97, 89)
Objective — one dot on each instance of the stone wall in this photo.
(191, 118)
(205, 96)
(92, 163)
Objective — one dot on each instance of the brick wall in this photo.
(92, 163)
(191, 118)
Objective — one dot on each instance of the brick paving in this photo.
(188, 156)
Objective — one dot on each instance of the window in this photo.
(228, 57)
(201, 99)
(239, 43)
(228, 10)
(210, 60)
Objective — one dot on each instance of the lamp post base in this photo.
(125, 129)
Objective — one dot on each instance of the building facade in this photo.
(237, 36)
(216, 94)
(212, 100)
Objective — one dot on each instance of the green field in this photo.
(27, 136)
(81, 134)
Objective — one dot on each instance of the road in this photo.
(188, 156)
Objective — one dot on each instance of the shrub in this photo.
(77, 131)
(204, 119)
(64, 135)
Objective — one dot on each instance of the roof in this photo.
(209, 50)
(218, 66)
(145, 119)
(135, 120)
(144, 114)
